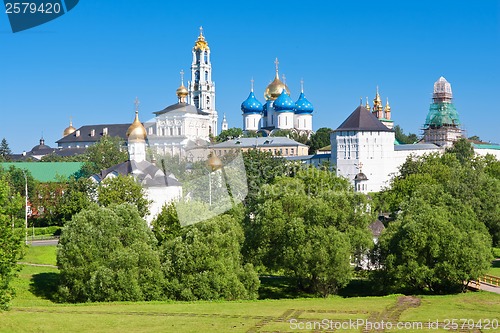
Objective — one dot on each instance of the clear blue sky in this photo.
(92, 62)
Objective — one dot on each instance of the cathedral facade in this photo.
(279, 110)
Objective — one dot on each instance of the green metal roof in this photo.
(486, 146)
(47, 172)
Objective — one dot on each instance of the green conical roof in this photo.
(442, 114)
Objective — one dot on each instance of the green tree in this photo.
(319, 139)
(166, 224)
(463, 150)
(404, 138)
(470, 181)
(231, 133)
(433, 246)
(252, 134)
(5, 151)
(11, 248)
(205, 262)
(78, 195)
(261, 168)
(108, 254)
(309, 226)
(104, 154)
(292, 134)
(123, 189)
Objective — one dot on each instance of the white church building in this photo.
(160, 189)
(365, 151)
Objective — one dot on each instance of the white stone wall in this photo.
(251, 122)
(159, 197)
(303, 122)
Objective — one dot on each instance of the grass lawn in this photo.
(32, 311)
(41, 255)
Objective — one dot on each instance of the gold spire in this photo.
(377, 102)
(201, 44)
(70, 129)
(387, 106)
(275, 88)
(367, 104)
(136, 131)
(182, 91)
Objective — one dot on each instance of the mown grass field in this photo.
(32, 311)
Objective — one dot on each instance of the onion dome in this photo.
(303, 105)
(360, 177)
(251, 104)
(275, 88)
(69, 130)
(136, 131)
(284, 102)
(182, 91)
(201, 44)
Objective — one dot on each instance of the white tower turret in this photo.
(201, 87)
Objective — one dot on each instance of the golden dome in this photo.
(387, 106)
(182, 91)
(275, 88)
(201, 44)
(70, 129)
(136, 131)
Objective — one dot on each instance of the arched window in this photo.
(197, 76)
(197, 101)
(208, 102)
(206, 75)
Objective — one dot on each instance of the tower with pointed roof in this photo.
(224, 126)
(362, 140)
(442, 125)
(201, 88)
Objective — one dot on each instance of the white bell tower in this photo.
(201, 87)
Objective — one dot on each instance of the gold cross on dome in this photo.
(182, 76)
(301, 85)
(359, 166)
(276, 62)
(136, 103)
(252, 81)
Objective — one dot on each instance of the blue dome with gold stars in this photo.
(251, 104)
(303, 105)
(284, 103)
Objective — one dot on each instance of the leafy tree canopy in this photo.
(231, 133)
(308, 226)
(433, 246)
(11, 248)
(471, 181)
(104, 154)
(108, 254)
(123, 189)
(404, 138)
(319, 139)
(204, 261)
